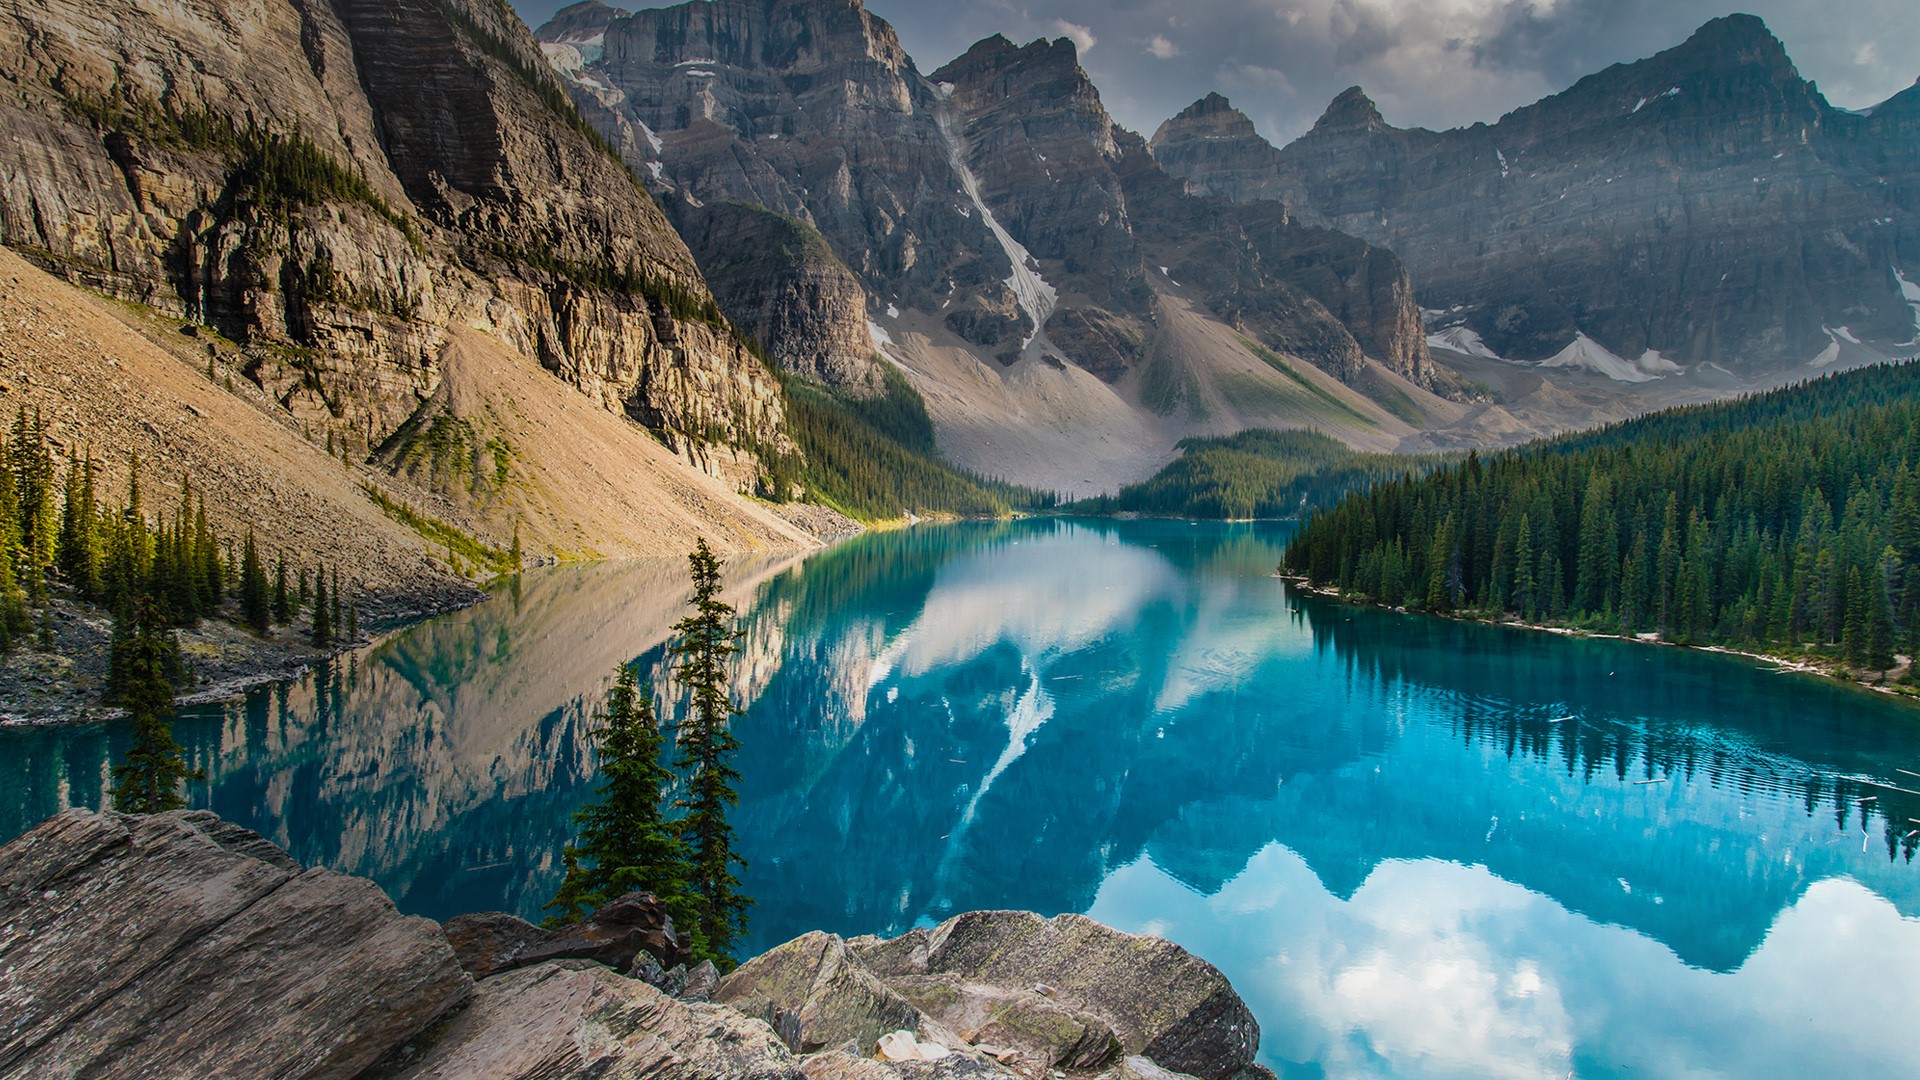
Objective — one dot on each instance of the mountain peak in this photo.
(579, 20)
(1735, 39)
(1214, 104)
(1212, 117)
(1351, 109)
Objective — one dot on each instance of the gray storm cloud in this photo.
(1431, 63)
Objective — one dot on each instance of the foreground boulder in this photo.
(576, 1018)
(180, 945)
(494, 941)
(1160, 1001)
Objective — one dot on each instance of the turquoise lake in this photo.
(1419, 848)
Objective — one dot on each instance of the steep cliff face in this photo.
(778, 279)
(336, 183)
(993, 206)
(811, 110)
(1704, 205)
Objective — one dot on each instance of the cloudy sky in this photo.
(1435, 63)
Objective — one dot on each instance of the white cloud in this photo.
(1081, 36)
(1158, 45)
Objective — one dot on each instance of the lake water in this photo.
(1419, 848)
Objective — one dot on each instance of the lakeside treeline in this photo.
(1788, 520)
(1258, 473)
(876, 459)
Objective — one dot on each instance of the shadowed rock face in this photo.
(456, 187)
(1707, 203)
(490, 942)
(814, 111)
(779, 280)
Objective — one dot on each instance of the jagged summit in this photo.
(1212, 117)
(996, 53)
(581, 19)
(1738, 34)
(1350, 109)
(1214, 103)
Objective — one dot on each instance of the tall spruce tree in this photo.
(625, 843)
(705, 644)
(256, 596)
(146, 659)
(321, 634)
(282, 597)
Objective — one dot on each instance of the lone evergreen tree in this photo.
(625, 842)
(282, 598)
(322, 633)
(256, 601)
(706, 642)
(146, 658)
(337, 618)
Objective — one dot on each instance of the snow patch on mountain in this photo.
(1590, 355)
(1461, 339)
(1911, 291)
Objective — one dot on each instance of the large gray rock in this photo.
(818, 995)
(180, 945)
(1161, 1001)
(575, 1018)
(1031, 1027)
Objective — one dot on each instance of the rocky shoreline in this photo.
(46, 687)
(179, 944)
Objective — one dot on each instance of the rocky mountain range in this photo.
(1706, 206)
(386, 216)
(1025, 260)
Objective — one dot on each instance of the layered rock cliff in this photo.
(996, 197)
(338, 183)
(1703, 205)
(179, 944)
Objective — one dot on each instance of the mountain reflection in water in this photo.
(1420, 848)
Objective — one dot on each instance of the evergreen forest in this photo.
(1257, 473)
(1787, 521)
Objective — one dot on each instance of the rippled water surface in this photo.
(1419, 848)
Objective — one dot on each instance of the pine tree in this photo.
(337, 618)
(256, 600)
(625, 843)
(282, 599)
(146, 657)
(31, 463)
(322, 633)
(80, 557)
(705, 643)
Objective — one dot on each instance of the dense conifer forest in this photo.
(1257, 474)
(1788, 521)
(875, 459)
